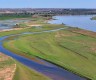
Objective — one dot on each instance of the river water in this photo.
(49, 70)
(80, 21)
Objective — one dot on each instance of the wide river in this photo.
(80, 21)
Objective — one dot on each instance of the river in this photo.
(80, 21)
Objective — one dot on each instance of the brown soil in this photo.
(34, 25)
(58, 34)
(93, 49)
(91, 43)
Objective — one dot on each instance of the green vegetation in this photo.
(93, 18)
(22, 25)
(66, 48)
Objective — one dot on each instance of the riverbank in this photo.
(10, 69)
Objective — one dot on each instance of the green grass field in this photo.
(68, 49)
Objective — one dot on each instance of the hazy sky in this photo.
(48, 3)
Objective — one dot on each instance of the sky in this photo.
(47, 3)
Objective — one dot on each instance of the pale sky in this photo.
(47, 3)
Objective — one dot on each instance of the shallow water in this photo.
(7, 24)
(48, 70)
(80, 21)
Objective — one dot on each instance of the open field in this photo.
(66, 48)
(10, 69)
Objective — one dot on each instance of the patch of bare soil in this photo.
(7, 71)
(58, 34)
(91, 43)
(93, 49)
(34, 25)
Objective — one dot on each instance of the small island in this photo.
(93, 18)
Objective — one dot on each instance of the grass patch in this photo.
(22, 25)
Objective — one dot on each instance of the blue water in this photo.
(51, 71)
(80, 21)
